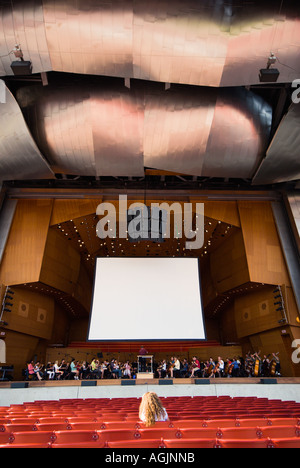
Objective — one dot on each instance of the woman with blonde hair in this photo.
(151, 409)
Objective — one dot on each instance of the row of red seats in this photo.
(194, 422)
(150, 438)
(104, 432)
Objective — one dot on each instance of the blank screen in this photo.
(146, 299)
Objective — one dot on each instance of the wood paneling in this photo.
(63, 269)
(61, 264)
(32, 313)
(20, 348)
(256, 312)
(227, 212)
(24, 251)
(264, 254)
(64, 210)
(228, 264)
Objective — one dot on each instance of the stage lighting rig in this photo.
(269, 74)
(20, 67)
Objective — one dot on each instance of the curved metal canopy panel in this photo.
(282, 161)
(20, 158)
(114, 131)
(207, 43)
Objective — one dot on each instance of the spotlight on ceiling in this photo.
(269, 74)
(20, 67)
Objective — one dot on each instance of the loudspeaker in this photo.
(19, 385)
(127, 382)
(268, 75)
(165, 382)
(21, 67)
(268, 381)
(202, 381)
(89, 383)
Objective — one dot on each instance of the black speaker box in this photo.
(21, 67)
(127, 382)
(165, 382)
(268, 381)
(19, 385)
(202, 382)
(268, 75)
(89, 383)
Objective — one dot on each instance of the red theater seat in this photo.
(287, 443)
(190, 443)
(138, 443)
(242, 443)
(281, 432)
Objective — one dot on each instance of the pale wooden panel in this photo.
(225, 211)
(228, 264)
(256, 312)
(20, 348)
(83, 290)
(264, 254)
(228, 325)
(273, 341)
(24, 251)
(224, 352)
(61, 264)
(32, 313)
(64, 210)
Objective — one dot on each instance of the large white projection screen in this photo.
(146, 299)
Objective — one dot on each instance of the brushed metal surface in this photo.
(20, 157)
(207, 43)
(114, 131)
(282, 161)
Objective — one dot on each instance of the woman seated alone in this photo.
(151, 409)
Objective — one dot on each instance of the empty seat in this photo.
(83, 445)
(73, 438)
(244, 443)
(283, 422)
(293, 442)
(31, 437)
(240, 433)
(190, 443)
(158, 433)
(280, 432)
(26, 446)
(137, 443)
(20, 427)
(55, 426)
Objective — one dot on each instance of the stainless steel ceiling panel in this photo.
(23, 23)
(92, 37)
(20, 158)
(249, 49)
(239, 133)
(91, 133)
(176, 130)
(282, 161)
(117, 123)
(179, 42)
(207, 43)
(114, 131)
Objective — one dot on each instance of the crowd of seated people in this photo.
(251, 366)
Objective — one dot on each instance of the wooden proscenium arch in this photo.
(49, 262)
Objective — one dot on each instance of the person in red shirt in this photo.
(195, 366)
(30, 369)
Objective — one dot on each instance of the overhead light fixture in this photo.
(269, 74)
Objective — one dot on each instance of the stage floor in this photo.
(283, 388)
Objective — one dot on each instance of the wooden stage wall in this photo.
(52, 278)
